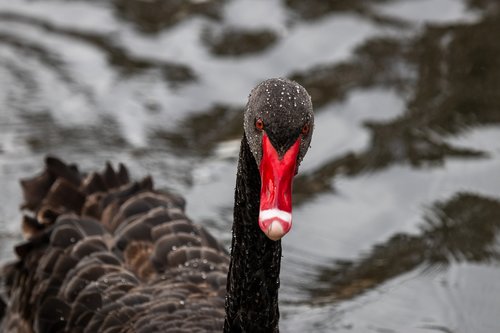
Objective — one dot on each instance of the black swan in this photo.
(106, 254)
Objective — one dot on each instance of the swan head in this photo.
(278, 123)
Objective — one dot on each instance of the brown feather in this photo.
(107, 254)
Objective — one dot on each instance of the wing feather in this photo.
(108, 254)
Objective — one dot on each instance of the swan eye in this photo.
(305, 129)
(259, 124)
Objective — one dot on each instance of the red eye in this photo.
(259, 124)
(305, 129)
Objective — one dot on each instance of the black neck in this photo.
(253, 279)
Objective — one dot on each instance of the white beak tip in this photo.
(275, 231)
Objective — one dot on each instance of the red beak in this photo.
(276, 175)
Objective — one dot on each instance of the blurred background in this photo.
(397, 205)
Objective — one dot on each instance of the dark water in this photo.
(397, 218)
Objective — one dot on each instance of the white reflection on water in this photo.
(429, 11)
(375, 206)
(339, 128)
(461, 298)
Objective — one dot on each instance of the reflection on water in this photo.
(398, 202)
(463, 228)
(152, 16)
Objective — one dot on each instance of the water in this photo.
(397, 213)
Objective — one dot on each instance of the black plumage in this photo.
(108, 254)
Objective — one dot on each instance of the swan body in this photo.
(108, 254)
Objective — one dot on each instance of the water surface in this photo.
(397, 216)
